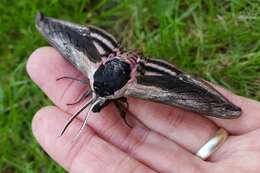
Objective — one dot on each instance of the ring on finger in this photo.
(213, 144)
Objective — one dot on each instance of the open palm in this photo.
(166, 143)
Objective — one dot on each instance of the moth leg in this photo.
(123, 100)
(72, 78)
(82, 97)
(122, 111)
(100, 105)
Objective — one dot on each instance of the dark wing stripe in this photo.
(101, 39)
(103, 36)
(164, 64)
(103, 45)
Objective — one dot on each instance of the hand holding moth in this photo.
(107, 145)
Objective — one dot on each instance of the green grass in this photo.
(216, 40)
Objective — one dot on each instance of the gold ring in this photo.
(213, 144)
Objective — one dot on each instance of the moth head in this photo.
(111, 77)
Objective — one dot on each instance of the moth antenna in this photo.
(76, 114)
(85, 121)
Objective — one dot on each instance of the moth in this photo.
(115, 74)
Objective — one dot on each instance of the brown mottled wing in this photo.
(160, 81)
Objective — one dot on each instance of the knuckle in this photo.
(135, 138)
(123, 164)
(74, 154)
(129, 165)
(175, 118)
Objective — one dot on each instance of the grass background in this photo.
(217, 40)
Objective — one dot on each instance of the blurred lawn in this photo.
(217, 40)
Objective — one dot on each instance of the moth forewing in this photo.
(83, 46)
(161, 82)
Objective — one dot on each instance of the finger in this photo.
(152, 149)
(186, 128)
(249, 119)
(44, 66)
(237, 148)
(90, 153)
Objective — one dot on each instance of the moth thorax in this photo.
(111, 77)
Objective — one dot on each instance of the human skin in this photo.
(165, 141)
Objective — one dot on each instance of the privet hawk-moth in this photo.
(115, 74)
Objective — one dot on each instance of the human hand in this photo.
(108, 145)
